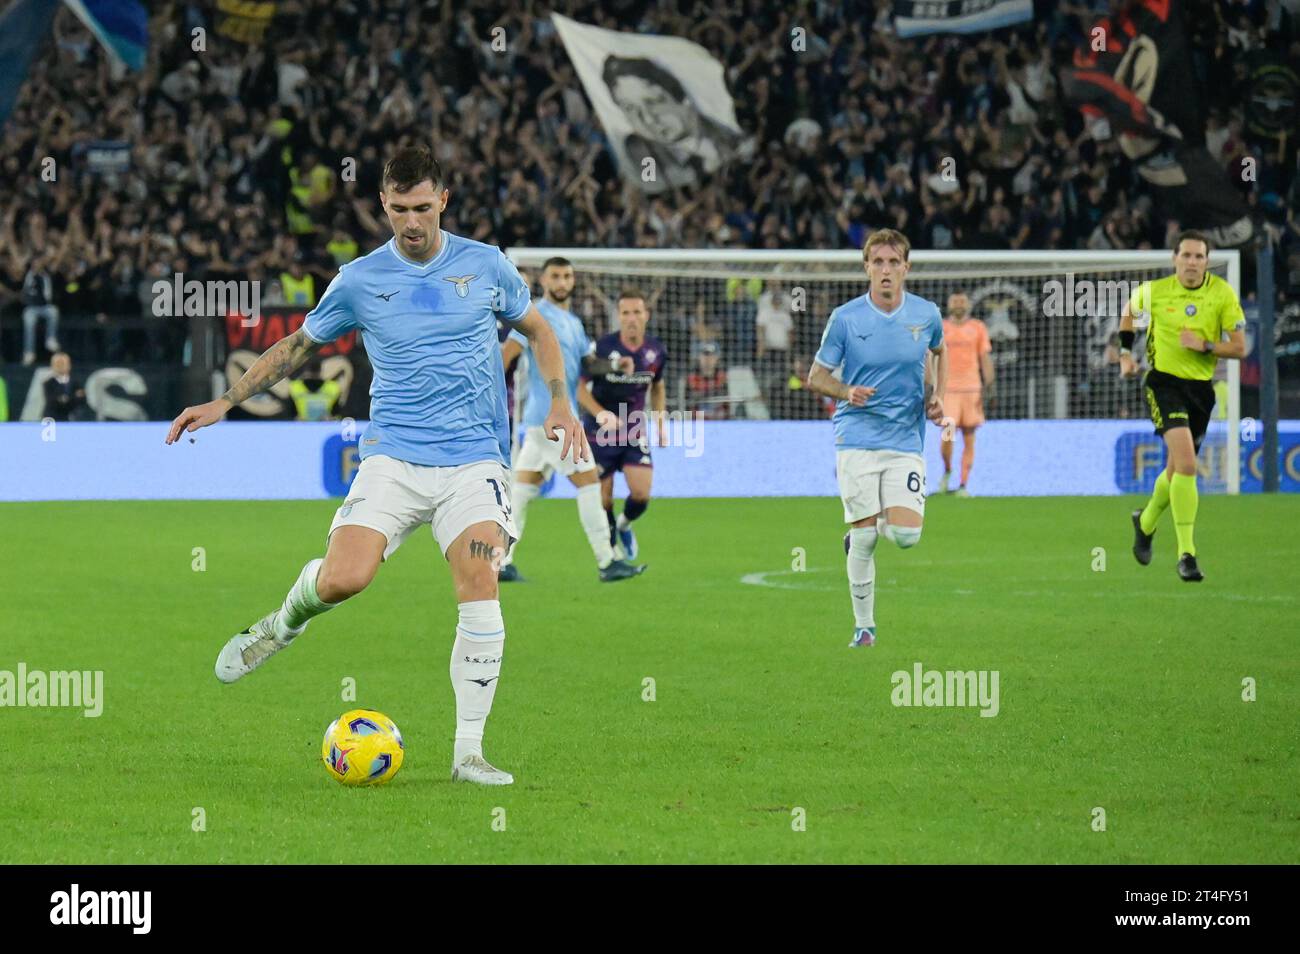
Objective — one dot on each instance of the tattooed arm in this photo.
(278, 362)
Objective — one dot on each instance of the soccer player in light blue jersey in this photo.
(539, 456)
(881, 342)
(436, 451)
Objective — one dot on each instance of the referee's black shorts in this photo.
(1179, 402)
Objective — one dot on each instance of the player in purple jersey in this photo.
(614, 414)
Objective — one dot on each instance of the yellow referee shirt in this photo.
(1212, 310)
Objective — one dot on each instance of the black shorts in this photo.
(1179, 402)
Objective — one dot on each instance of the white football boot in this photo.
(247, 650)
(475, 768)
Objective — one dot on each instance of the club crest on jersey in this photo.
(1190, 310)
(461, 283)
(916, 331)
(649, 357)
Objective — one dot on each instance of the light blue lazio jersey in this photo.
(439, 395)
(886, 352)
(574, 345)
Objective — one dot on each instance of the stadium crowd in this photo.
(262, 160)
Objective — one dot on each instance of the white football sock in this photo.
(591, 514)
(521, 495)
(862, 575)
(301, 604)
(475, 670)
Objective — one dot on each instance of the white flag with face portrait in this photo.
(662, 101)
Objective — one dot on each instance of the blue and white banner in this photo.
(121, 26)
(921, 17)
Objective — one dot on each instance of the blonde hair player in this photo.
(881, 343)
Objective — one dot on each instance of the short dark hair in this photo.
(558, 261)
(631, 291)
(411, 166)
(1192, 235)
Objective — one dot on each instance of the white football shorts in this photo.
(395, 497)
(542, 456)
(871, 481)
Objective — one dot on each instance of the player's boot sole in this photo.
(1141, 541)
(248, 650)
(1188, 571)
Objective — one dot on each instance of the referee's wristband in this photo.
(1126, 339)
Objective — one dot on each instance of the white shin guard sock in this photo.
(302, 603)
(521, 495)
(475, 670)
(862, 575)
(591, 514)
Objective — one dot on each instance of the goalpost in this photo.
(1052, 316)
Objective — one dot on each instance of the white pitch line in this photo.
(763, 579)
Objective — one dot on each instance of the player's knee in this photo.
(339, 582)
(904, 537)
(477, 582)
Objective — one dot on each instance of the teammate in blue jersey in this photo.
(614, 414)
(539, 456)
(436, 451)
(881, 342)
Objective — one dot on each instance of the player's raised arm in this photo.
(276, 363)
(546, 352)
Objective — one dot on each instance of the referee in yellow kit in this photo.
(1191, 312)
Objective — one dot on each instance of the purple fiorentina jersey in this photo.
(625, 393)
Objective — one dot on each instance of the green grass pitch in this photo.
(1120, 689)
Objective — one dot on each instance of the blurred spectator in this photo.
(706, 385)
(314, 396)
(64, 395)
(297, 284)
(775, 324)
(38, 303)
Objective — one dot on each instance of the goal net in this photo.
(757, 317)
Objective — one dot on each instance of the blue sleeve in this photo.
(514, 297)
(519, 336)
(831, 352)
(936, 331)
(333, 315)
